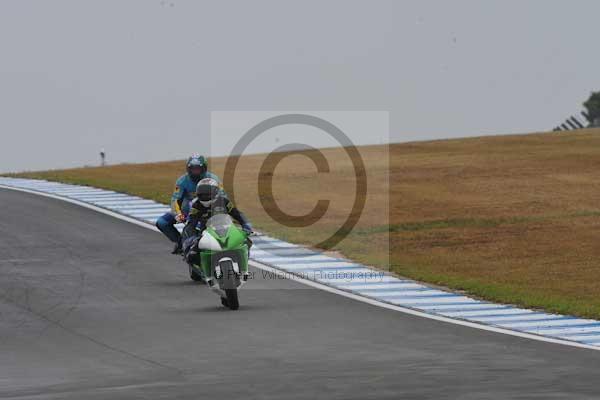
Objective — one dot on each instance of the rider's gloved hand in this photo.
(180, 217)
(247, 228)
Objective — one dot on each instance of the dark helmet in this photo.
(196, 167)
(207, 191)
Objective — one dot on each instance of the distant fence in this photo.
(573, 123)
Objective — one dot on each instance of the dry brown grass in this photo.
(509, 218)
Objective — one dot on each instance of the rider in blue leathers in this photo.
(184, 193)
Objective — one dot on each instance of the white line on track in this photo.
(477, 313)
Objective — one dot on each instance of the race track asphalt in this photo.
(92, 307)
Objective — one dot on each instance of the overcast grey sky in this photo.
(140, 78)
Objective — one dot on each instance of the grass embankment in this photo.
(514, 219)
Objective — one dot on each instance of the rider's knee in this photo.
(161, 223)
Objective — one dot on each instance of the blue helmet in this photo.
(196, 167)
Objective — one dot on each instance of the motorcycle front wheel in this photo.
(232, 299)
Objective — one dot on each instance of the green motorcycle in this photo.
(222, 261)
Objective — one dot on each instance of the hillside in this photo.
(508, 218)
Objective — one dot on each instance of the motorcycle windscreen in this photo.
(220, 223)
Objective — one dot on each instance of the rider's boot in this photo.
(178, 248)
